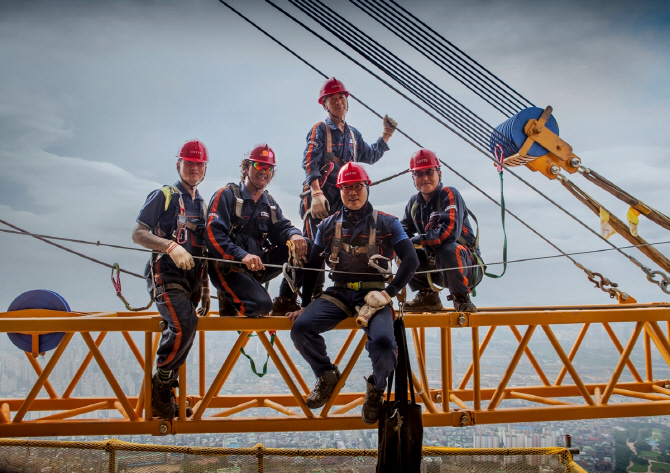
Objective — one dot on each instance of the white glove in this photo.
(365, 313)
(319, 205)
(377, 299)
(180, 256)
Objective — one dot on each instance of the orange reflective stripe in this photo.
(175, 320)
(229, 290)
(310, 148)
(460, 262)
(210, 234)
(452, 220)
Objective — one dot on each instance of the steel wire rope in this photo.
(486, 154)
(378, 115)
(451, 64)
(442, 123)
(461, 115)
(450, 113)
(206, 258)
(494, 79)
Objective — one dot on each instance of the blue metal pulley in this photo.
(38, 299)
(511, 135)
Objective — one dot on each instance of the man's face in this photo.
(354, 195)
(191, 172)
(336, 104)
(260, 174)
(426, 180)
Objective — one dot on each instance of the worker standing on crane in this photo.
(358, 243)
(172, 223)
(246, 225)
(330, 144)
(436, 218)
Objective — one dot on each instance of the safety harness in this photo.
(236, 228)
(179, 233)
(472, 247)
(239, 202)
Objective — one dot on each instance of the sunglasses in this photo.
(422, 174)
(262, 166)
(355, 187)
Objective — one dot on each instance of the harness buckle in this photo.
(373, 263)
(354, 285)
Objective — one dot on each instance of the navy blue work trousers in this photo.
(458, 278)
(179, 314)
(321, 316)
(247, 293)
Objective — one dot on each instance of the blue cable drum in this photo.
(38, 299)
(511, 137)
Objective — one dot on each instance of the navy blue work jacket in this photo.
(389, 233)
(253, 226)
(443, 219)
(162, 222)
(343, 148)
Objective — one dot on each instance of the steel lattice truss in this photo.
(563, 397)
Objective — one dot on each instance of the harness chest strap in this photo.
(338, 245)
(239, 202)
(328, 155)
(461, 240)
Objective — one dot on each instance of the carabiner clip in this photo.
(373, 263)
(181, 235)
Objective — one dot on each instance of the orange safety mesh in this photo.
(114, 456)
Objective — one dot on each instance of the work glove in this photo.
(374, 302)
(205, 302)
(180, 256)
(319, 205)
(389, 125)
(377, 299)
(365, 313)
(297, 251)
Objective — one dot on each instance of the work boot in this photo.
(323, 388)
(163, 403)
(226, 309)
(283, 304)
(425, 300)
(373, 401)
(462, 302)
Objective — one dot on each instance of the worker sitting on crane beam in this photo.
(331, 144)
(172, 223)
(358, 243)
(246, 225)
(436, 218)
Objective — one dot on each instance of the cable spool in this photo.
(511, 135)
(38, 299)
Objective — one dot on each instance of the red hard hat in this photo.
(262, 153)
(194, 150)
(332, 86)
(423, 159)
(352, 172)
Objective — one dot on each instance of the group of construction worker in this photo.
(247, 240)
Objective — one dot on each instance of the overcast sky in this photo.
(97, 97)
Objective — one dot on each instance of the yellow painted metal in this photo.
(619, 368)
(559, 401)
(345, 374)
(38, 369)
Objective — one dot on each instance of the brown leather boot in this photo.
(462, 302)
(425, 300)
(283, 304)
